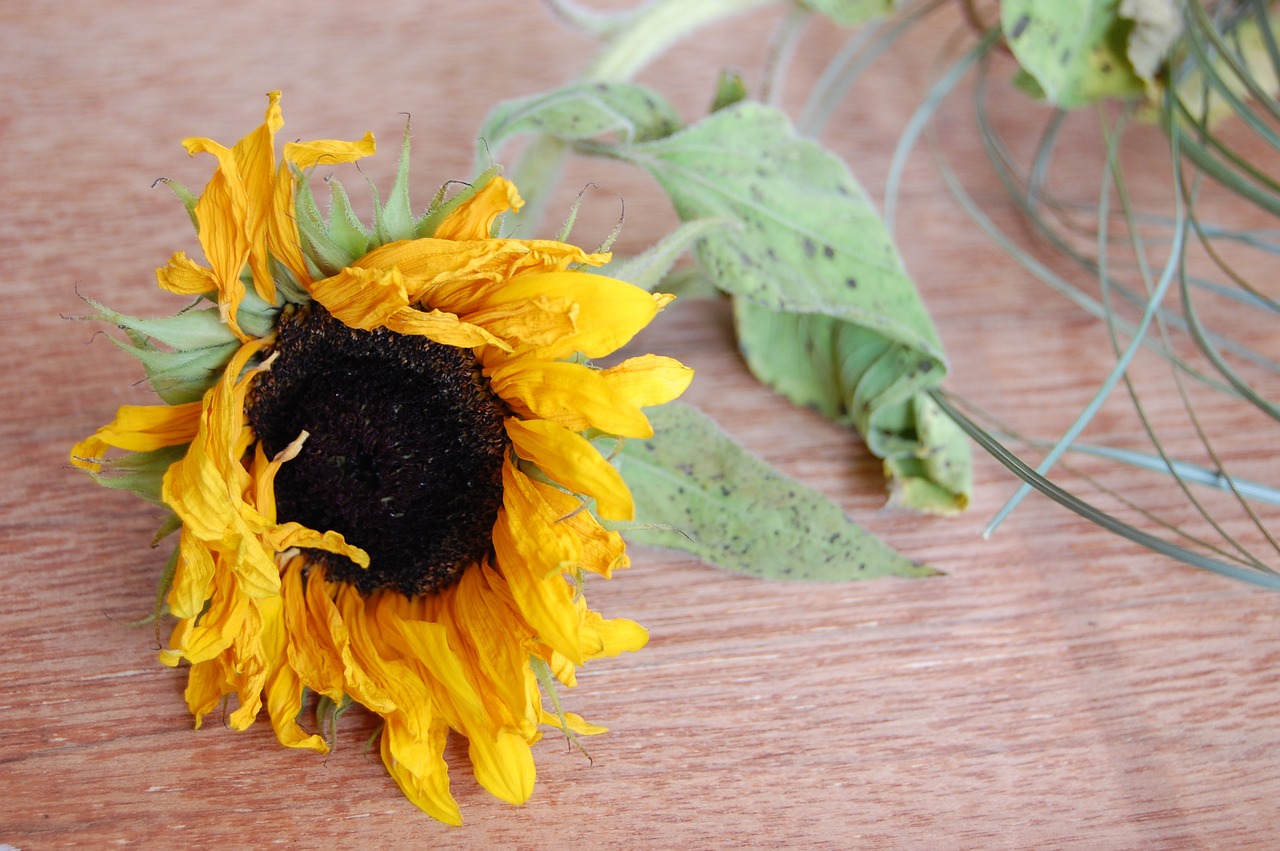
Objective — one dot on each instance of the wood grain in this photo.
(1057, 688)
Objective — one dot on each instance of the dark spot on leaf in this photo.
(828, 252)
(809, 248)
(851, 283)
(1019, 26)
(925, 365)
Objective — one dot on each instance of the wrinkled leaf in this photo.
(581, 111)
(841, 369)
(815, 272)
(728, 507)
(1072, 52)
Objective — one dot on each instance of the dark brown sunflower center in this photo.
(404, 454)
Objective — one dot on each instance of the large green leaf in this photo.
(1072, 52)
(699, 491)
(827, 314)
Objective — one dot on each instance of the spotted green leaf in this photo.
(697, 490)
(1071, 52)
(826, 312)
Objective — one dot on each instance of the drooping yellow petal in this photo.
(531, 551)
(206, 683)
(442, 328)
(205, 488)
(610, 636)
(291, 534)
(255, 159)
(139, 428)
(362, 297)
(306, 155)
(490, 635)
(185, 277)
(609, 312)
(503, 765)
(571, 394)
(571, 460)
(575, 723)
(192, 576)
(474, 218)
(419, 769)
(649, 379)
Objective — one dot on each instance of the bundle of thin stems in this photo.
(1164, 282)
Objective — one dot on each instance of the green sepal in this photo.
(393, 221)
(179, 376)
(187, 197)
(344, 227)
(190, 329)
(324, 256)
(697, 490)
(139, 473)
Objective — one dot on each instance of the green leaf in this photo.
(1075, 51)
(846, 13)
(697, 490)
(581, 111)
(827, 314)
(855, 376)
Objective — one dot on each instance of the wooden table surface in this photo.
(1058, 687)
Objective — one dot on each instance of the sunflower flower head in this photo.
(377, 448)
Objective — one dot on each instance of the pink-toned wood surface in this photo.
(1059, 687)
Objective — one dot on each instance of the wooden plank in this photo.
(1058, 687)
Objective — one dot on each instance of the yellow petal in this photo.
(255, 160)
(185, 277)
(649, 379)
(571, 394)
(530, 552)
(292, 534)
(574, 722)
(504, 766)
(139, 428)
(305, 155)
(419, 769)
(571, 460)
(441, 327)
(603, 637)
(362, 297)
(205, 687)
(474, 218)
(609, 312)
(192, 577)
(491, 635)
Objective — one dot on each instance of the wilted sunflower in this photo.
(377, 452)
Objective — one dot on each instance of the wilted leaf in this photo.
(826, 312)
(728, 507)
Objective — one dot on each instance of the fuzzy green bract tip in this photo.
(697, 490)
